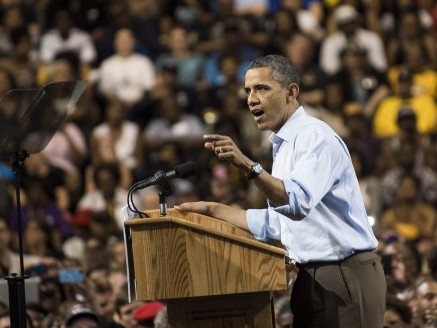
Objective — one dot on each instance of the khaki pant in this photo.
(346, 294)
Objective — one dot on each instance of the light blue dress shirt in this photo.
(325, 219)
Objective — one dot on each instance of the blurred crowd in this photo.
(159, 75)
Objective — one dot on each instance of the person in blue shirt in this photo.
(315, 207)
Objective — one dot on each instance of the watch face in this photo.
(257, 168)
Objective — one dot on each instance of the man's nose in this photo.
(252, 99)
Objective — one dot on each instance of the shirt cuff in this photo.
(257, 220)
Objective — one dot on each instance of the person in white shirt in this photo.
(346, 18)
(65, 37)
(126, 75)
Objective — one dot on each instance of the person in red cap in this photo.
(146, 313)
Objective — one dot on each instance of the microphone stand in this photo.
(16, 283)
(162, 181)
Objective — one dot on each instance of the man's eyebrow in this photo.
(257, 86)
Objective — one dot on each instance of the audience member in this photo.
(423, 74)
(301, 49)
(407, 162)
(401, 267)
(369, 184)
(409, 216)
(309, 16)
(360, 82)
(126, 75)
(39, 239)
(331, 111)
(65, 37)
(425, 303)
(173, 125)
(397, 313)
(348, 30)
(105, 192)
(80, 316)
(411, 35)
(423, 105)
(283, 24)
(360, 136)
(9, 259)
(117, 140)
(190, 64)
(22, 63)
(37, 204)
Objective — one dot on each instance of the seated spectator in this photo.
(80, 316)
(9, 259)
(228, 82)
(173, 125)
(67, 150)
(369, 184)
(360, 137)
(423, 74)
(37, 204)
(425, 295)
(348, 30)
(401, 267)
(117, 140)
(190, 65)
(22, 63)
(65, 37)
(52, 179)
(411, 34)
(105, 192)
(51, 293)
(409, 217)
(126, 75)
(125, 310)
(397, 313)
(331, 111)
(283, 24)
(38, 239)
(309, 16)
(359, 81)
(301, 49)
(406, 162)
(424, 106)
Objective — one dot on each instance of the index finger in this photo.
(213, 137)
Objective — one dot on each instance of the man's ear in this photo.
(293, 91)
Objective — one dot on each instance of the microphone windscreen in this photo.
(185, 169)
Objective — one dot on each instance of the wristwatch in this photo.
(255, 170)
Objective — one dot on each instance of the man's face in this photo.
(268, 101)
(427, 301)
(126, 314)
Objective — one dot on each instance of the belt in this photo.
(313, 264)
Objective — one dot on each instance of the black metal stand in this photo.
(28, 120)
(164, 185)
(16, 283)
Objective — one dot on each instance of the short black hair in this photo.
(283, 69)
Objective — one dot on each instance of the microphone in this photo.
(181, 171)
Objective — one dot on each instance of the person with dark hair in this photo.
(425, 299)
(315, 207)
(105, 192)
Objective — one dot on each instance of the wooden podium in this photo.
(209, 273)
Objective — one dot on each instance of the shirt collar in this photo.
(290, 125)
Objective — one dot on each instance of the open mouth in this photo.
(257, 113)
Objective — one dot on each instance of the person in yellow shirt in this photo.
(424, 107)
